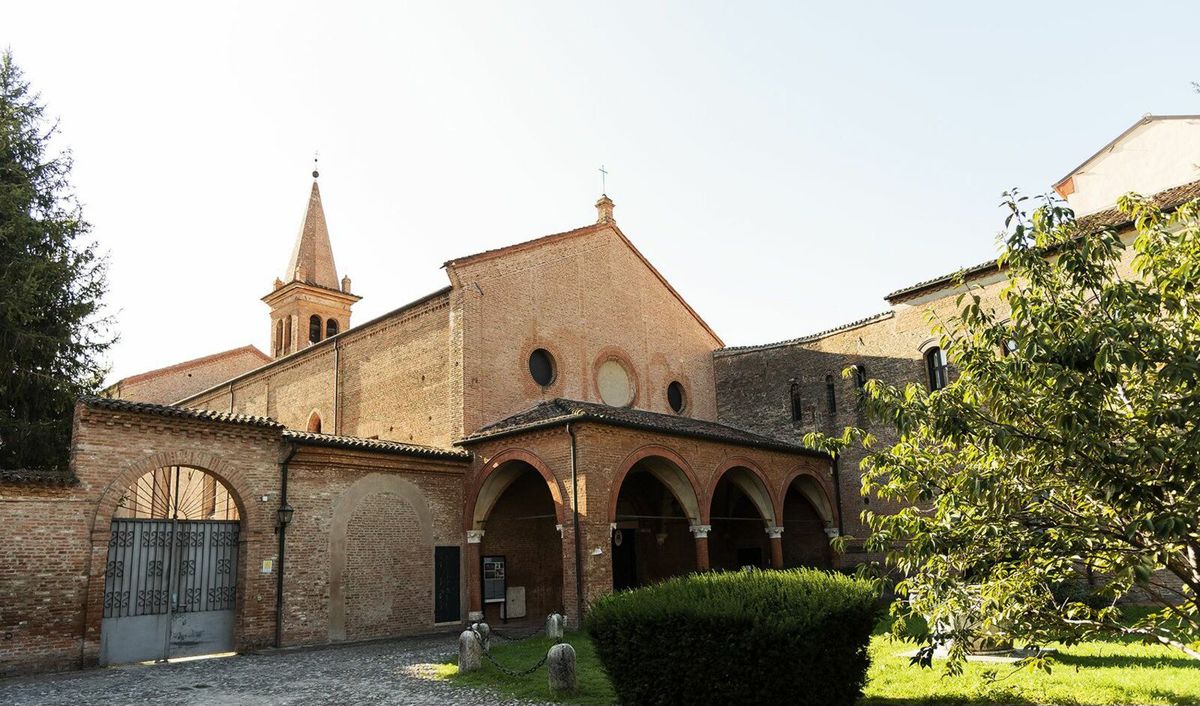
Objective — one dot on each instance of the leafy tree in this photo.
(1066, 449)
(51, 284)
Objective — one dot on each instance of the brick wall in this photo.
(583, 298)
(392, 380)
(185, 379)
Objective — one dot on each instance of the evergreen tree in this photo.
(52, 333)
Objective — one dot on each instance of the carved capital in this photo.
(474, 536)
(775, 532)
(700, 531)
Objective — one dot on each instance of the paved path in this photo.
(364, 674)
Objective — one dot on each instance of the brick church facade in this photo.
(554, 424)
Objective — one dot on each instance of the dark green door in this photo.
(446, 565)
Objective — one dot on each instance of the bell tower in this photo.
(309, 304)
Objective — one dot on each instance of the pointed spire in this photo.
(312, 256)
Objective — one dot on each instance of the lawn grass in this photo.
(594, 688)
(1092, 673)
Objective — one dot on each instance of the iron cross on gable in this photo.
(603, 180)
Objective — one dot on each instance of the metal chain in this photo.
(502, 636)
(515, 674)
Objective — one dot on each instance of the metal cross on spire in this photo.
(603, 180)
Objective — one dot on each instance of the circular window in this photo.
(541, 367)
(676, 397)
(615, 384)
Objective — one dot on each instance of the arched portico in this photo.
(808, 520)
(741, 512)
(656, 515)
(514, 523)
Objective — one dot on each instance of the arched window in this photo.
(278, 337)
(314, 423)
(287, 335)
(331, 328)
(936, 368)
(830, 394)
(796, 399)
(314, 328)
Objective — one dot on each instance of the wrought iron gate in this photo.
(169, 589)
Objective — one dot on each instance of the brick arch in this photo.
(233, 480)
(775, 511)
(101, 531)
(498, 461)
(655, 450)
(790, 478)
(343, 511)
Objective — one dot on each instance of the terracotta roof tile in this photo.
(1091, 223)
(163, 410)
(395, 447)
(561, 411)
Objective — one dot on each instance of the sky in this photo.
(784, 165)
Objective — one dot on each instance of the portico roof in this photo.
(559, 412)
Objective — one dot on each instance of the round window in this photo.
(541, 367)
(615, 384)
(676, 397)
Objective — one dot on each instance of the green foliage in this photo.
(51, 333)
(761, 637)
(1067, 444)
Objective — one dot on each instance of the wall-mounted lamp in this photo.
(285, 515)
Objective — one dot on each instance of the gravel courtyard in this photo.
(370, 673)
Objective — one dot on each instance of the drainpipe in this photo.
(337, 374)
(281, 530)
(575, 530)
(837, 491)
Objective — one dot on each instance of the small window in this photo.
(541, 367)
(314, 328)
(331, 328)
(676, 397)
(278, 337)
(314, 423)
(936, 368)
(860, 377)
(796, 399)
(830, 394)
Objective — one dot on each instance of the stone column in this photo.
(776, 536)
(474, 580)
(700, 532)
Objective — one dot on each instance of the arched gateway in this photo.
(170, 580)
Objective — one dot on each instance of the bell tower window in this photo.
(331, 328)
(314, 328)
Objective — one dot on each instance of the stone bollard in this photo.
(554, 627)
(485, 636)
(470, 652)
(560, 666)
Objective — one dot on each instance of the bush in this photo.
(760, 637)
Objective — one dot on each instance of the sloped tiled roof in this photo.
(395, 447)
(163, 410)
(38, 477)
(1111, 218)
(810, 337)
(561, 411)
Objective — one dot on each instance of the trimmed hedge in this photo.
(756, 637)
